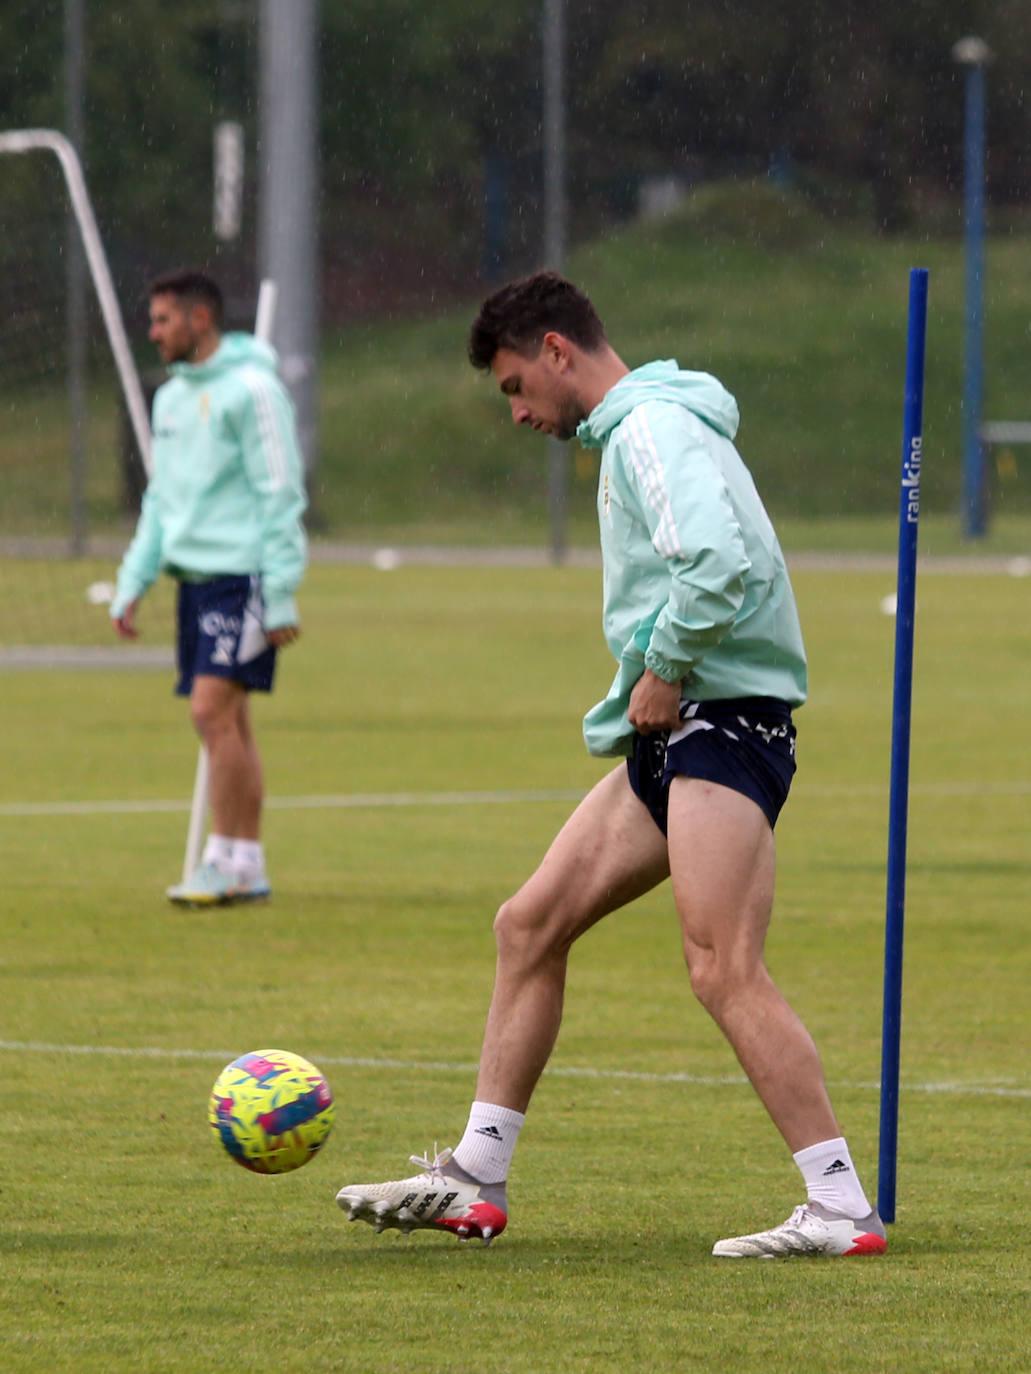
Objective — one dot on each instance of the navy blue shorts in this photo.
(745, 743)
(221, 634)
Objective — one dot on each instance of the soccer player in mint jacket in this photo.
(700, 617)
(221, 514)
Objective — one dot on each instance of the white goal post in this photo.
(49, 140)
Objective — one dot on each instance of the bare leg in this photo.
(608, 852)
(722, 859)
(250, 821)
(221, 717)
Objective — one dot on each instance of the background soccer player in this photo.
(222, 514)
(700, 617)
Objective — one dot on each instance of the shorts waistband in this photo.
(766, 708)
(196, 578)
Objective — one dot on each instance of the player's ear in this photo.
(557, 350)
(202, 318)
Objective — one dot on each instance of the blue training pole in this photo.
(909, 517)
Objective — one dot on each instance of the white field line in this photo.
(537, 556)
(983, 1088)
(354, 801)
(361, 801)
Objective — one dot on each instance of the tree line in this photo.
(432, 114)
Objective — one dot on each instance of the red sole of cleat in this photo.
(868, 1245)
(479, 1215)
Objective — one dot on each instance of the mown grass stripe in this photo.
(975, 1089)
(360, 801)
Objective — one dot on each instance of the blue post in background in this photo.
(973, 54)
(909, 517)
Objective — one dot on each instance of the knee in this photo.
(210, 719)
(717, 978)
(703, 970)
(523, 933)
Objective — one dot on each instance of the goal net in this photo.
(71, 406)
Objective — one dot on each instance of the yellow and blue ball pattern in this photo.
(271, 1111)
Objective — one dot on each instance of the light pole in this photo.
(553, 60)
(288, 197)
(973, 54)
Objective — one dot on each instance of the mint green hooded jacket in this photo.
(227, 490)
(695, 586)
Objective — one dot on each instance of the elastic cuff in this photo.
(662, 667)
(280, 611)
(121, 600)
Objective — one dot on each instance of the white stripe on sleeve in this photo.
(644, 454)
(268, 431)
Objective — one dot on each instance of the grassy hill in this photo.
(803, 321)
(801, 317)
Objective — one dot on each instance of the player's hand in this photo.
(286, 634)
(125, 625)
(654, 704)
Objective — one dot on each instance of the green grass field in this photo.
(130, 1243)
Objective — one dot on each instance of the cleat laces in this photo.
(434, 1167)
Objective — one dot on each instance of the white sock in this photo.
(830, 1178)
(486, 1149)
(219, 851)
(248, 858)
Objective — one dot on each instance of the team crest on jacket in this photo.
(204, 404)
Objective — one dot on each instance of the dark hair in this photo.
(193, 286)
(521, 313)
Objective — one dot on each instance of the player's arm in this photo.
(692, 526)
(139, 566)
(125, 623)
(272, 458)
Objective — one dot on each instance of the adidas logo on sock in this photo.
(491, 1131)
(838, 1167)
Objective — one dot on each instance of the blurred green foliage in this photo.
(860, 105)
(802, 318)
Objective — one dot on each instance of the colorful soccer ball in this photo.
(271, 1111)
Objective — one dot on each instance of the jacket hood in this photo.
(697, 392)
(235, 350)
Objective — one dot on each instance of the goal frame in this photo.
(50, 140)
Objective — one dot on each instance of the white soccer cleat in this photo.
(810, 1230)
(210, 885)
(437, 1200)
(207, 885)
(251, 887)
